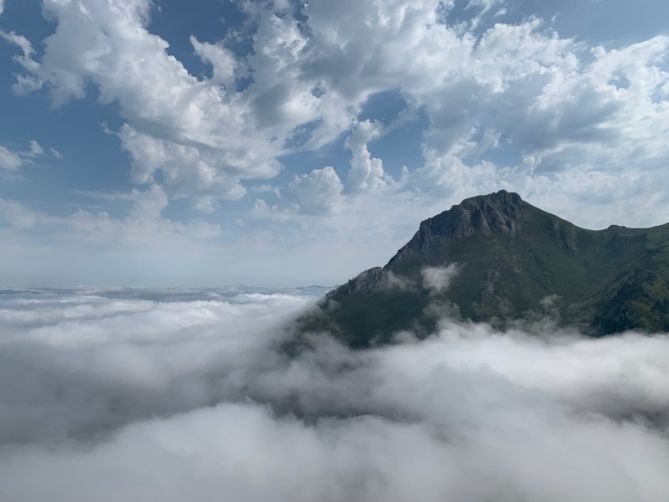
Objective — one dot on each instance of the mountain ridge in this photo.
(511, 257)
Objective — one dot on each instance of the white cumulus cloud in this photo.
(317, 191)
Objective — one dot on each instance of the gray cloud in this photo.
(168, 396)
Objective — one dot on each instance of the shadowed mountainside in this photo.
(496, 258)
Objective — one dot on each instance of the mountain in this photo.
(498, 259)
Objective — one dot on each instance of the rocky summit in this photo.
(495, 258)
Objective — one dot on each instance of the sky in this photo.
(280, 143)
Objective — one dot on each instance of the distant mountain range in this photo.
(496, 258)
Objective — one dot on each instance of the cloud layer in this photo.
(168, 395)
(566, 111)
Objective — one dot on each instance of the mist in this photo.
(175, 395)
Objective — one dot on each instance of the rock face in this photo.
(484, 216)
(494, 214)
(513, 261)
(365, 282)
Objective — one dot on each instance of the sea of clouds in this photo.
(174, 395)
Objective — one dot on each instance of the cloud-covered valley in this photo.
(285, 142)
(181, 394)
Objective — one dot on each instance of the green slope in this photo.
(514, 261)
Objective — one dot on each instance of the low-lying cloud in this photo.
(174, 396)
(437, 279)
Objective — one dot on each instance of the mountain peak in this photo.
(484, 215)
(497, 212)
(499, 197)
(510, 256)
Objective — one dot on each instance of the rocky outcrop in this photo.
(365, 282)
(484, 215)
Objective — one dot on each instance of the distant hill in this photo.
(496, 258)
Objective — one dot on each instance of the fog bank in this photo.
(181, 395)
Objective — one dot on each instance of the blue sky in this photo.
(281, 143)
